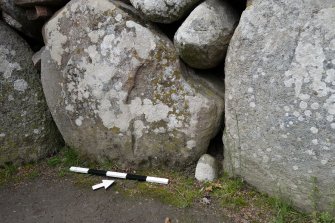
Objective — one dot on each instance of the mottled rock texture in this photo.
(164, 11)
(27, 131)
(202, 40)
(117, 90)
(280, 100)
(207, 168)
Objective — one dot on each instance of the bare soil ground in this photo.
(46, 191)
(46, 199)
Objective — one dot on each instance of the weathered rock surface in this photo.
(207, 168)
(164, 11)
(27, 131)
(280, 100)
(117, 90)
(202, 40)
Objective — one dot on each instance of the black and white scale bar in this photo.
(119, 175)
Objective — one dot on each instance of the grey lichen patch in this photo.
(7, 67)
(164, 11)
(310, 85)
(20, 85)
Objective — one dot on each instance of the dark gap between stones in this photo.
(239, 5)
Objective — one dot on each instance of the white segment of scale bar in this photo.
(157, 180)
(116, 174)
(79, 169)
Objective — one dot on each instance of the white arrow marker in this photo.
(105, 184)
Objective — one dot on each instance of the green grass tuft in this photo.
(10, 170)
(12, 174)
(180, 192)
(54, 161)
(66, 158)
(229, 192)
(6, 173)
(325, 217)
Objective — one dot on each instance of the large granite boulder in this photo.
(117, 90)
(27, 132)
(280, 100)
(164, 11)
(202, 40)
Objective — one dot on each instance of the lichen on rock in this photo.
(117, 90)
(164, 11)
(27, 132)
(203, 38)
(280, 100)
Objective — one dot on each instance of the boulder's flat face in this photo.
(164, 11)
(202, 40)
(27, 132)
(116, 89)
(280, 100)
